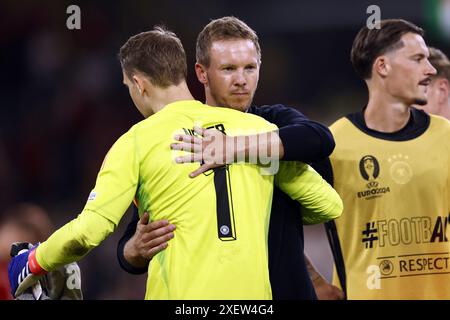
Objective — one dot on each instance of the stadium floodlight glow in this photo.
(437, 16)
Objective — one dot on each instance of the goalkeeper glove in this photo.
(23, 269)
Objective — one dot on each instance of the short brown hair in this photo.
(226, 28)
(440, 62)
(369, 44)
(158, 54)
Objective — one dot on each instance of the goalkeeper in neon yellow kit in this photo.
(220, 248)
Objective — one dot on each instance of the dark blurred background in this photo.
(62, 102)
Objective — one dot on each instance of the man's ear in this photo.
(444, 91)
(200, 71)
(138, 81)
(381, 66)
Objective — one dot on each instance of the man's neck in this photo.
(163, 97)
(445, 111)
(386, 115)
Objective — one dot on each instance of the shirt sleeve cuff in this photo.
(124, 263)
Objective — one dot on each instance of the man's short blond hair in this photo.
(158, 54)
(226, 28)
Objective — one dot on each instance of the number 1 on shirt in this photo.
(224, 202)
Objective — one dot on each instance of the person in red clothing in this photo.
(23, 222)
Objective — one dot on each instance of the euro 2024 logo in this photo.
(370, 170)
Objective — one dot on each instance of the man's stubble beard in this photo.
(420, 101)
(222, 103)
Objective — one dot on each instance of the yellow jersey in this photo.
(220, 246)
(396, 191)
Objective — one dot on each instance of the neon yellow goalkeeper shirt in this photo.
(220, 246)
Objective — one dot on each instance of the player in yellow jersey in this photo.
(438, 92)
(391, 166)
(220, 248)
